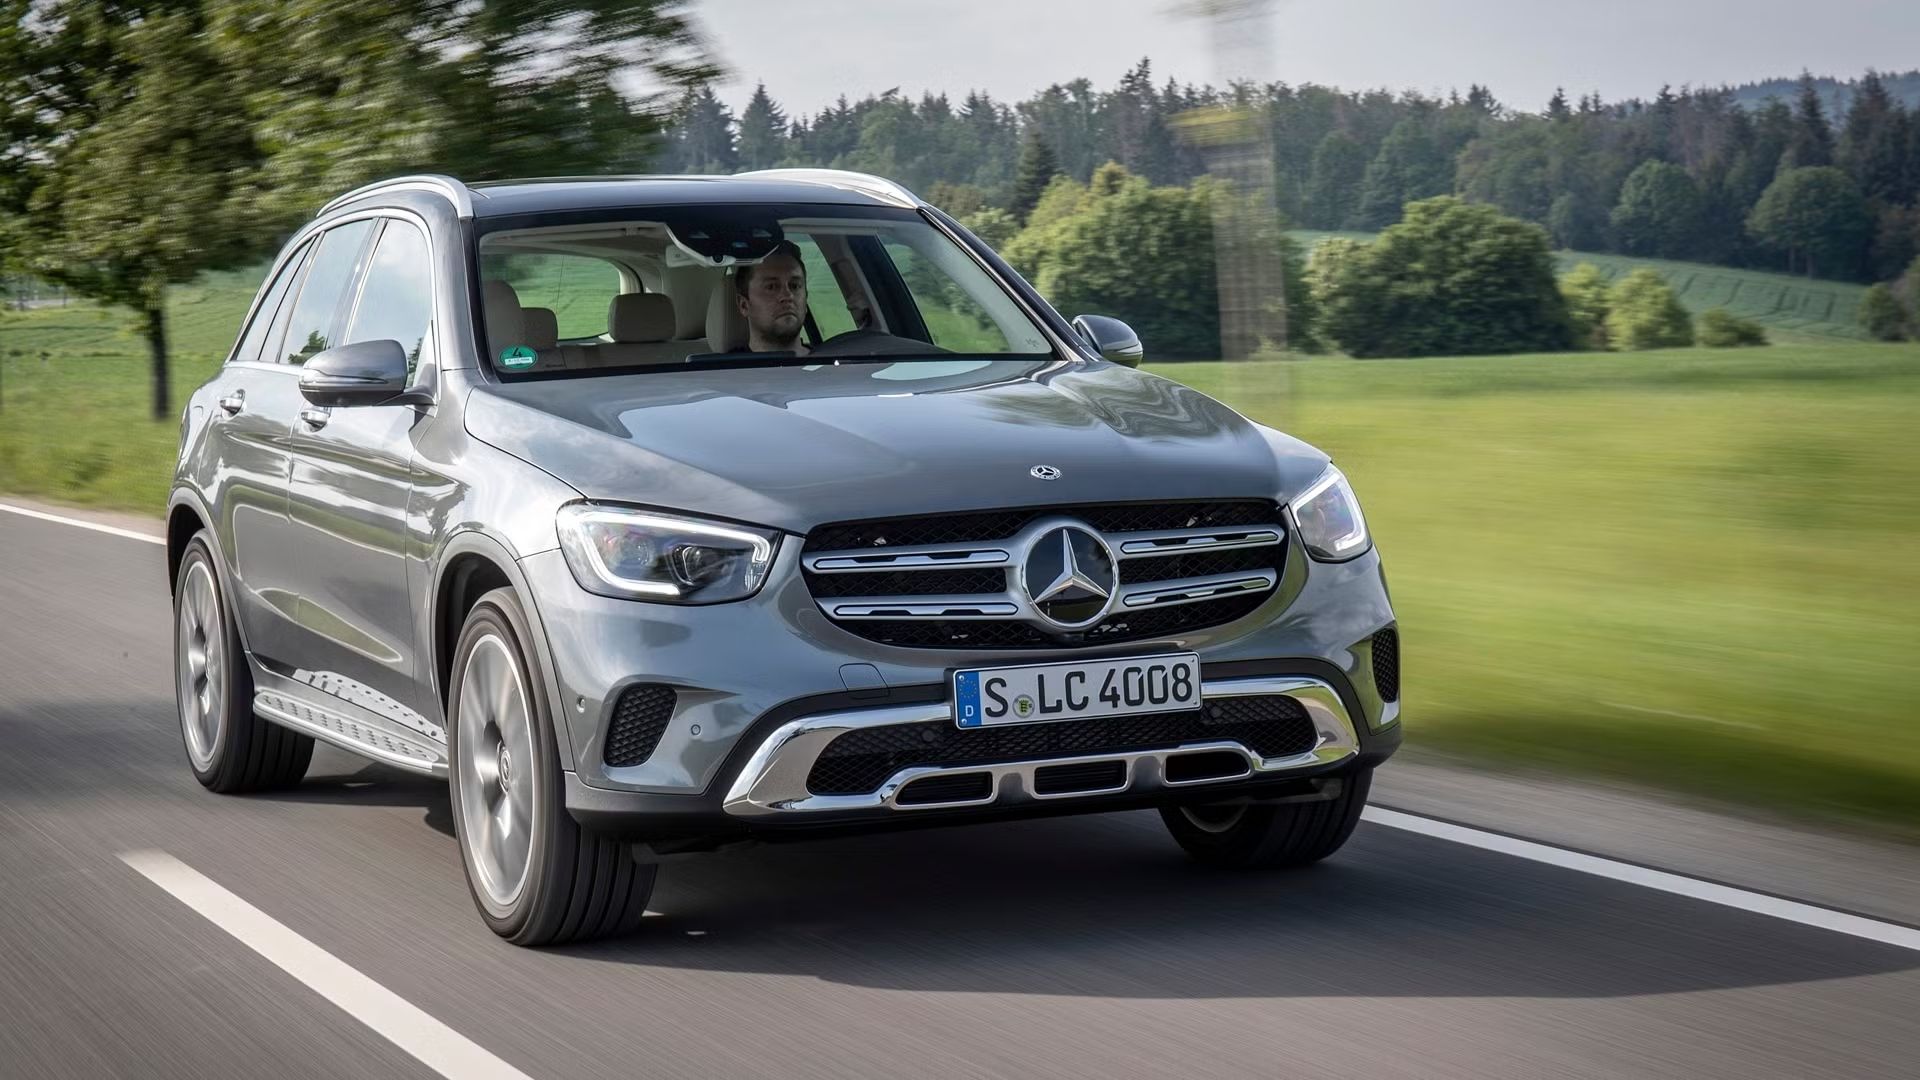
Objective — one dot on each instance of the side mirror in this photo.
(1112, 338)
(363, 373)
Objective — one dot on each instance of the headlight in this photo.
(1330, 521)
(640, 555)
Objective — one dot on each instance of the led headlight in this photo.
(1329, 518)
(641, 555)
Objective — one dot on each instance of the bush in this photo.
(1585, 290)
(1450, 279)
(1643, 313)
(1882, 316)
(1721, 329)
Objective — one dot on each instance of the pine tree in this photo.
(1038, 167)
(1812, 144)
(763, 131)
(1873, 143)
(1557, 105)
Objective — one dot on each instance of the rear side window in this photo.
(396, 301)
(578, 289)
(314, 313)
(256, 334)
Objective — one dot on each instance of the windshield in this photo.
(585, 294)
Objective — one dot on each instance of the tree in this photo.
(1038, 167)
(763, 131)
(1873, 144)
(1643, 313)
(1333, 185)
(1722, 329)
(1817, 217)
(1408, 167)
(703, 139)
(1881, 315)
(1451, 278)
(1659, 212)
(1557, 105)
(1811, 145)
(1585, 289)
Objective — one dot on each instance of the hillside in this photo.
(1790, 307)
(1834, 94)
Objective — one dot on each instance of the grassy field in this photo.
(1791, 308)
(1687, 568)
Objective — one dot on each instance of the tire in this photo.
(1255, 835)
(569, 884)
(230, 749)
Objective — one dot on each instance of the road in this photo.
(1072, 947)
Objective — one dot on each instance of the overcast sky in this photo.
(811, 51)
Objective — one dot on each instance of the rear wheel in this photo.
(230, 749)
(537, 877)
(1257, 834)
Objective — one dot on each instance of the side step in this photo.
(412, 753)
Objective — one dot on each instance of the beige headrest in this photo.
(505, 325)
(640, 318)
(726, 328)
(689, 287)
(541, 326)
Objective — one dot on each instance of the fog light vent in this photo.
(1386, 664)
(639, 719)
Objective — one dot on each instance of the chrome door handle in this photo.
(315, 418)
(234, 402)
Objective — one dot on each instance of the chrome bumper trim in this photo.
(774, 781)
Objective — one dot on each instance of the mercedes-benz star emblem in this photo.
(1069, 575)
(1045, 472)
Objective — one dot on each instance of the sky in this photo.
(811, 51)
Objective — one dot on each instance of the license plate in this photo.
(1076, 690)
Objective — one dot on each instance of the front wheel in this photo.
(1256, 834)
(537, 877)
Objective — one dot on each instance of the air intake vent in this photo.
(639, 719)
(967, 787)
(1386, 664)
(1087, 776)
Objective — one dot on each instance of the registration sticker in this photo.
(517, 356)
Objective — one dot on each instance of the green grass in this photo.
(1689, 567)
(1791, 308)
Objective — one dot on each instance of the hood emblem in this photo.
(1068, 574)
(1044, 472)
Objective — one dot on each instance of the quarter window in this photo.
(310, 329)
(263, 320)
(396, 301)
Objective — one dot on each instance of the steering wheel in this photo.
(872, 343)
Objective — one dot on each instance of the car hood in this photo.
(795, 447)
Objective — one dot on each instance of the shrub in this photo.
(1882, 316)
(1722, 329)
(1450, 279)
(1643, 313)
(1585, 290)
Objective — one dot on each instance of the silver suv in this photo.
(660, 513)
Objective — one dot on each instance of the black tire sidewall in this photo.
(500, 612)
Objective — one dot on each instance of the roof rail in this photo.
(455, 191)
(877, 187)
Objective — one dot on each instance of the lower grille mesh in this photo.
(1386, 664)
(639, 719)
(858, 762)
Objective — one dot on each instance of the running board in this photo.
(411, 753)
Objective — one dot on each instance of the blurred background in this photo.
(1613, 316)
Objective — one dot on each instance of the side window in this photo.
(578, 289)
(396, 299)
(826, 300)
(263, 318)
(953, 319)
(315, 311)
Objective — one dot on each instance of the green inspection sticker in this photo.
(517, 356)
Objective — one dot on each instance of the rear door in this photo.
(349, 491)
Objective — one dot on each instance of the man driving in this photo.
(772, 296)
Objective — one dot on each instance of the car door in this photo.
(254, 404)
(348, 494)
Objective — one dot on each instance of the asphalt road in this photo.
(1081, 947)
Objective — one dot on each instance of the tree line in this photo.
(1691, 174)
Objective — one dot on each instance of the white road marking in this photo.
(1858, 926)
(436, 1045)
(77, 523)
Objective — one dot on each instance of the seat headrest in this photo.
(726, 327)
(640, 318)
(541, 326)
(689, 287)
(506, 327)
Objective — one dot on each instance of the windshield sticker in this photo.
(517, 356)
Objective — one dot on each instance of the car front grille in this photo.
(639, 719)
(858, 762)
(953, 580)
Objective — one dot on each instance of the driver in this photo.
(772, 296)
